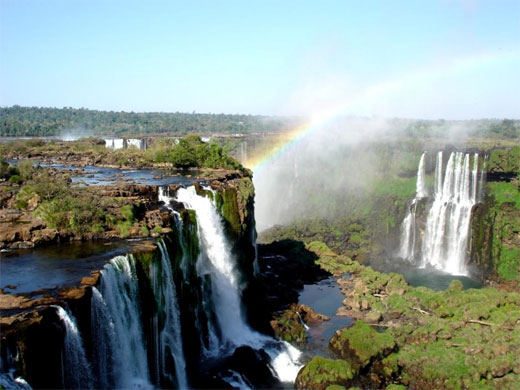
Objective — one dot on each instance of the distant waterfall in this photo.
(444, 242)
(408, 229)
(76, 369)
(421, 190)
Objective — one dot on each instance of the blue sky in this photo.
(425, 59)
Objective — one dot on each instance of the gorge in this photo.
(199, 305)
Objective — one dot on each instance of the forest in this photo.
(18, 121)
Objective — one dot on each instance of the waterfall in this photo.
(114, 143)
(76, 369)
(169, 341)
(445, 238)
(103, 334)
(135, 142)
(119, 304)
(421, 190)
(122, 356)
(217, 262)
(408, 230)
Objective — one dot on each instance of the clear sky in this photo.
(422, 59)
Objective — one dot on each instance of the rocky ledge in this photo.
(416, 338)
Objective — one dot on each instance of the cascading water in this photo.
(445, 238)
(170, 346)
(408, 229)
(145, 310)
(76, 369)
(217, 261)
(118, 304)
(135, 142)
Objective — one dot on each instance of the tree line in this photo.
(17, 121)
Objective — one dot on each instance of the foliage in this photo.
(188, 152)
(360, 343)
(505, 160)
(16, 179)
(192, 152)
(451, 339)
(320, 373)
(40, 121)
(505, 192)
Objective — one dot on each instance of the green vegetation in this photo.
(504, 192)
(188, 152)
(505, 160)
(360, 344)
(40, 121)
(192, 152)
(496, 228)
(73, 210)
(453, 339)
(321, 373)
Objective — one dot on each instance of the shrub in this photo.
(127, 212)
(15, 179)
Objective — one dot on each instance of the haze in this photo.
(436, 59)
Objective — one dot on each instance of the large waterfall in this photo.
(171, 317)
(217, 262)
(443, 241)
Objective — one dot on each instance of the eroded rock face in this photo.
(289, 325)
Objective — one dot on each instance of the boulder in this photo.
(361, 344)
(320, 373)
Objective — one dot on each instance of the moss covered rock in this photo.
(360, 344)
(321, 374)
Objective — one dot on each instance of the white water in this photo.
(8, 381)
(103, 334)
(114, 143)
(119, 293)
(421, 189)
(135, 142)
(444, 242)
(169, 338)
(408, 229)
(76, 370)
(217, 261)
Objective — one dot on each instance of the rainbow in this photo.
(284, 141)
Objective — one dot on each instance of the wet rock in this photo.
(44, 236)
(91, 280)
(21, 245)
(308, 315)
(254, 365)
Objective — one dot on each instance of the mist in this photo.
(75, 134)
(327, 172)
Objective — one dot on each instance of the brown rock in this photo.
(91, 280)
(308, 315)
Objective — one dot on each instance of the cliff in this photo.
(34, 337)
(495, 240)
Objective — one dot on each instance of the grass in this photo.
(505, 192)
